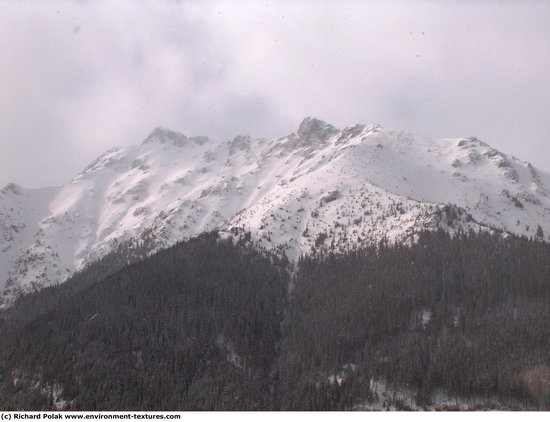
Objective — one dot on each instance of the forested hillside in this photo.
(193, 327)
(469, 316)
(208, 324)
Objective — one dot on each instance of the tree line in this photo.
(209, 324)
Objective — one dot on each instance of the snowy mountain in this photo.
(318, 187)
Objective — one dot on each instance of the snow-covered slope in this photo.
(320, 187)
(21, 210)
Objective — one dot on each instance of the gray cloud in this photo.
(80, 77)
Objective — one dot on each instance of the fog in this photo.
(79, 77)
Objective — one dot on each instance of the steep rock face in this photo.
(21, 210)
(312, 129)
(319, 187)
(162, 135)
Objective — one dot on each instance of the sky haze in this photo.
(80, 77)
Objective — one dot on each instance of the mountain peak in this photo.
(11, 188)
(162, 135)
(317, 186)
(312, 128)
(239, 143)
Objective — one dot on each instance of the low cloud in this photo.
(80, 77)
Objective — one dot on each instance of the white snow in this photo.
(319, 186)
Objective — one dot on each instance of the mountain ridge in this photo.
(320, 187)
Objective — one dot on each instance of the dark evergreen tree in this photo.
(207, 324)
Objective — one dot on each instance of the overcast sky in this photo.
(79, 77)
